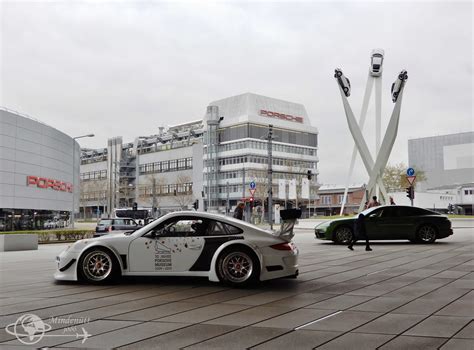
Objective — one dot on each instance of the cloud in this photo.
(125, 68)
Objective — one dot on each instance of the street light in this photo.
(73, 178)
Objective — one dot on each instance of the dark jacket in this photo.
(239, 213)
(359, 226)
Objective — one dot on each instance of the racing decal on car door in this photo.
(211, 244)
(163, 260)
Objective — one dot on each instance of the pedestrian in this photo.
(392, 202)
(373, 202)
(239, 211)
(360, 232)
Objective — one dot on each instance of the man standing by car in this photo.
(239, 211)
(373, 202)
(360, 233)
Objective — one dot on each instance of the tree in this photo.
(394, 177)
(93, 190)
(149, 195)
(184, 192)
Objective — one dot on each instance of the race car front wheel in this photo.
(97, 266)
(237, 267)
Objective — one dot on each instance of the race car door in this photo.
(172, 246)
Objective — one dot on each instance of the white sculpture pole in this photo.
(378, 119)
(389, 138)
(363, 114)
(360, 141)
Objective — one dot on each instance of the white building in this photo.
(447, 160)
(39, 170)
(212, 160)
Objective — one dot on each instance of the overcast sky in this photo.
(123, 68)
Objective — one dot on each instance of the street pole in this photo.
(73, 177)
(153, 189)
(270, 175)
(227, 208)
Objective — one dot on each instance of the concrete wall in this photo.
(446, 160)
(30, 148)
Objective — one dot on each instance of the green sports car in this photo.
(390, 222)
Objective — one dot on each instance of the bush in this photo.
(61, 235)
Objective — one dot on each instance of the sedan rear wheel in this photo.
(426, 234)
(237, 267)
(343, 235)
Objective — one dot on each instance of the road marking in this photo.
(319, 319)
(376, 272)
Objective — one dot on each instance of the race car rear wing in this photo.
(289, 218)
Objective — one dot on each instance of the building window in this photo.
(326, 200)
(340, 198)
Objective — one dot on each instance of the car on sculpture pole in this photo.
(398, 84)
(376, 62)
(389, 222)
(186, 243)
(343, 82)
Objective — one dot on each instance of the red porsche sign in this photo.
(282, 116)
(43, 182)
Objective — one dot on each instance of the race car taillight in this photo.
(282, 246)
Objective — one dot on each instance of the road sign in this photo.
(411, 172)
(253, 185)
(411, 179)
(252, 191)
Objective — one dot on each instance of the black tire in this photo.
(346, 90)
(238, 267)
(401, 76)
(342, 235)
(426, 234)
(98, 266)
(339, 74)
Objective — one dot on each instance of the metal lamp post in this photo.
(73, 177)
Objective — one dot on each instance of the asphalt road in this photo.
(400, 295)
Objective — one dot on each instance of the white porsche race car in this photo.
(185, 244)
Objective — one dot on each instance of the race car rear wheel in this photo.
(97, 266)
(237, 267)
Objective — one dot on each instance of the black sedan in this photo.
(390, 222)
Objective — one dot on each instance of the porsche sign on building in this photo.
(209, 162)
(36, 173)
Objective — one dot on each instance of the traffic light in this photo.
(410, 192)
(196, 204)
(135, 206)
(310, 174)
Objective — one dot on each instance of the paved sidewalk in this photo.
(399, 296)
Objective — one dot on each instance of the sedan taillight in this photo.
(282, 246)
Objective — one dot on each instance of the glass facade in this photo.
(30, 219)
(255, 131)
(264, 160)
(263, 146)
(166, 166)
